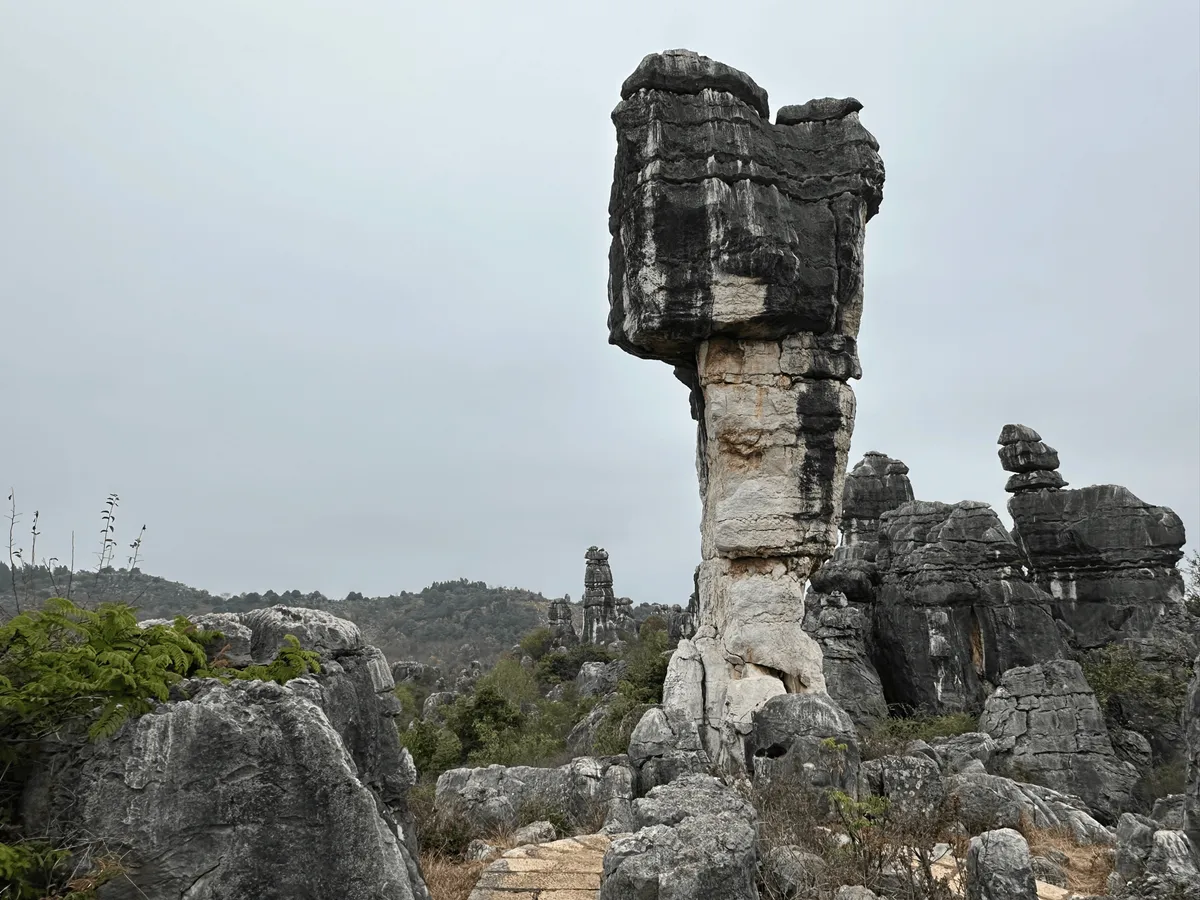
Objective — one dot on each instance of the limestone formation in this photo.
(843, 631)
(250, 789)
(695, 838)
(494, 796)
(1106, 557)
(1191, 720)
(878, 484)
(999, 868)
(1049, 729)
(736, 257)
(954, 611)
(677, 618)
(1033, 463)
(599, 602)
(562, 628)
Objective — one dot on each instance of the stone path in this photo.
(560, 870)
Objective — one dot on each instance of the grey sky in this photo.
(319, 288)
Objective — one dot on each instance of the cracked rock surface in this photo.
(736, 257)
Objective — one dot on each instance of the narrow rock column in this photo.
(599, 602)
(737, 258)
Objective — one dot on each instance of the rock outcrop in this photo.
(1106, 557)
(737, 258)
(599, 602)
(1191, 719)
(1033, 463)
(999, 867)
(695, 838)
(805, 736)
(586, 788)
(843, 631)
(954, 611)
(1049, 729)
(562, 627)
(250, 789)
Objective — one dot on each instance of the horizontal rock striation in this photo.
(736, 257)
(1049, 729)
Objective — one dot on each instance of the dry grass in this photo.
(1087, 866)
(449, 878)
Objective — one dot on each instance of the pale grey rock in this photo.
(695, 839)
(999, 868)
(991, 801)
(243, 791)
(1049, 729)
(598, 678)
(234, 644)
(817, 111)
(1168, 811)
(410, 671)
(314, 628)
(582, 739)
(1049, 871)
(561, 624)
(494, 796)
(855, 892)
(481, 851)
(666, 743)
(912, 784)
(805, 735)
(541, 832)
(958, 750)
(751, 287)
(792, 873)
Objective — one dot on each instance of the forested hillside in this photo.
(448, 623)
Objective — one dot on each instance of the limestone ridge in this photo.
(737, 257)
(599, 602)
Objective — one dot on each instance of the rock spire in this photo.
(737, 258)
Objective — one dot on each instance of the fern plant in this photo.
(290, 662)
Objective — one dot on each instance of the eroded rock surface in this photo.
(588, 788)
(695, 838)
(999, 867)
(1049, 729)
(737, 258)
(599, 602)
(954, 611)
(251, 789)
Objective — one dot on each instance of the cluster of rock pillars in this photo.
(823, 598)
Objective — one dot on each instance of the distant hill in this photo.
(448, 623)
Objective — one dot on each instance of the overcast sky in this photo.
(319, 288)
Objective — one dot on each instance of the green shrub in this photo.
(1123, 682)
(292, 661)
(889, 736)
(33, 869)
(556, 668)
(510, 680)
(537, 643)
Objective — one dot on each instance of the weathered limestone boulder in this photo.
(431, 710)
(410, 671)
(1033, 463)
(805, 736)
(562, 627)
(954, 611)
(736, 257)
(695, 838)
(597, 678)
(999, 868)
(912, 785)
(1049, 729)
(878, 484)
(666, 743)
(314, 628)
(842, 630)
(991, 801)
(958, 751)
(790, 872)
(251, 789)
(586, 788)
(1151, 858)
(599, 601)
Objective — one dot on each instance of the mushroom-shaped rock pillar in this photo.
(737, 258)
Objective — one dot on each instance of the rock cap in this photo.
(688, 72)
